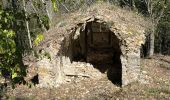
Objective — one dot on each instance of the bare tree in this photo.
(155, 17)
(27, 24)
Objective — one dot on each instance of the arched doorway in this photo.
(98, 45)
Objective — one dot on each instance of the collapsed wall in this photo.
(92, 44)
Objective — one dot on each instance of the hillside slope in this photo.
(156, 85)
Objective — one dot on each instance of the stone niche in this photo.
(99, 46)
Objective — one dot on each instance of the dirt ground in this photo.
(156, 87)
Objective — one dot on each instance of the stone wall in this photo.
(62, 65)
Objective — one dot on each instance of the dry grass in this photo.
(110, 11)
(158, 87)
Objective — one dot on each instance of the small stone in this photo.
(144, 72)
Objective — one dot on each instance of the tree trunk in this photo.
(27, 24)
(151, 43)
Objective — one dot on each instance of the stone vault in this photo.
(92, 42)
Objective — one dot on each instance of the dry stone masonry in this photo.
(102, 41)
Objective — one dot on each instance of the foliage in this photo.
(38, 39)
(162, 42)
(55, 4)
(12, 22)
(45, 21)
(9, 59)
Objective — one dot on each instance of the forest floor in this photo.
(156, 87)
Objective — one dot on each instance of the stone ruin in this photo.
(103, 40)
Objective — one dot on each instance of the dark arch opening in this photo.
(98, 45)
